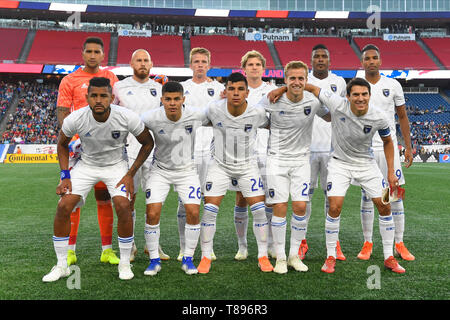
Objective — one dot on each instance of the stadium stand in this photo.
(301, 50)
(6, 95)
(227, 51)
(440, 48)
(399, 54)
(165, 50)
(12, 41)
(62, 47)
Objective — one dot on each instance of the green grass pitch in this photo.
(28, 203)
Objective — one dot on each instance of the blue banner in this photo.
(444, 158)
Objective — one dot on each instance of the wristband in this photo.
(65, 174)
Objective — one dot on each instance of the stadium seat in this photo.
(440, 48)
(14, 38)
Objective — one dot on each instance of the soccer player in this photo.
(234, 124)
(138, 93)
(198, 92)
(354, 123)
(71, 97)
(387, 94)
(103, 129)
(320, 148)
(174, 128)
(253, 63)
(288, 166)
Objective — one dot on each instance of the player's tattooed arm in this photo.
(61, 114)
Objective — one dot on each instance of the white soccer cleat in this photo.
(213, 256)
(180, 256)
(125, 272)
(280, 266)
(56, 273)
(133, 253)
(296, 263)
(242, 254)
(162, 255)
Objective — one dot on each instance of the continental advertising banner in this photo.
(31, 158)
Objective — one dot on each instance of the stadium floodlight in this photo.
(211, 13)
(332, 14)
(55, 6)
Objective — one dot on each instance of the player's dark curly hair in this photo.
(357, 82)
(100, 82)
(236, 77)
(172, 86)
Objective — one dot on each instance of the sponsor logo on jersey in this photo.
(148, 193)
(386, 92)
(367, 129)
(248, 128)
(115, 134)
(208, 186)
(329, 186)
(271, 193)
(188, 128)
(333, 87)
(307, 110)
(210, 91)
(153, 92)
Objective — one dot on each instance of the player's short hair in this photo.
(236, 77)
(295, 65)
(253, 54)
(96, 40)
(100, 82)
(357, 82)
(137, 50)
(318, 47)
(172, 86)
(370, 47)
(200, 50)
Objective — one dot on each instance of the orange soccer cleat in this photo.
(264, 264)
(328, 266)
(392, 264)
(400, 250)
(303, 249)
(366, 251)
(339, 254)
(204, 266)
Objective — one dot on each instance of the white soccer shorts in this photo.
(285, 181)
(319, 163)
(185, 182)
(341, 175)
(382, 164)
(140, 178)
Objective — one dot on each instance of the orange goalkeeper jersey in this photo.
(73, 88)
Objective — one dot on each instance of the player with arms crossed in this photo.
(174, 128)
(354, 123)
(138, 93)
(103, 129)
(71, 97)
(387, 94)
(234, 123)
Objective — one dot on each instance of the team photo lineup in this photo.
(271, 146)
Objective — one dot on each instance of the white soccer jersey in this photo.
(174, 141)
(352, 135)
(386, 94)
(102, 143)
(138, 97)
(235, 137)
(255, 94)
(321, 134)
(291, 126)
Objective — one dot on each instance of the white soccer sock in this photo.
(331, 234)
(298, 232)
(192, 233)
(278, 226)
(208, 229)
(260, 227)
(133, 215)
(181, 220)
(241, 225)
(152, 233)
(269, 213)
(61, 245)
(367, 216)
(387, 229)
(398, 213)
(125, 245)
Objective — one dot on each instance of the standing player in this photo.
(103, 129)
(288, 167)
(174, 128)
(387, 93)
(234, 123)
(138, 93)
(354, 123)
(199, 91)
(253, 63)
(71, 97)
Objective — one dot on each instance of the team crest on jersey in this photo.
(153, 92)
(234, 182)
(115, 134)
(188, 129)
(208, 186)
(329, 186)
(271, 193)
(148, 193)
(386, 92)
(248, 128)
(307, 110)
(333, 87)
(367, 129)
(210, 91)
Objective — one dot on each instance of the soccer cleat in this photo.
(280, 266)
(153, 268)
(180, 256)
(71, 257)
(187, 266)
(296, 263)
(133, 253)
(109, 256)
(400, 250)
(339, 254)
(242, 254)
(264, 264)
(56, 273)
(213, 256)
(303, 249)
(162, 255)
(392, 264)
(271, 252)
(204, 266)
(125, 272)
(366, 251)
(329, 265)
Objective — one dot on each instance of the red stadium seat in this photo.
(12, 42)
(440, 48)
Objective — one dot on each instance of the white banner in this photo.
(135, 33)
(268, 37)
(35, 149)
(399, 37)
